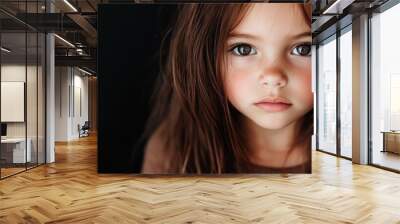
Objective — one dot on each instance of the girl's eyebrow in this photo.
(244, 35)
(304, 34)
(255, 37)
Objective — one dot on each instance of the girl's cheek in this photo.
(301, 67)
(238, 80)
(242, 63)
(235, 83)
(302, 84)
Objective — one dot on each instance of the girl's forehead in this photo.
(272, 17)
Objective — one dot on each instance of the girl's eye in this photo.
(243, 50)
(302, 50)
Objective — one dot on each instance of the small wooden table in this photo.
(391, 141)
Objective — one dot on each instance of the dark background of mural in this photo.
(129, 38)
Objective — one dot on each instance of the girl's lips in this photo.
(274, 104)
(273, 107)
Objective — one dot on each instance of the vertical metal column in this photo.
(360, 90)
(50, 92)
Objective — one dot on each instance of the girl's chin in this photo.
(267, 122)
(274, 124)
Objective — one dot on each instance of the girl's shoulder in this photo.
(300, 168)
(156, 158)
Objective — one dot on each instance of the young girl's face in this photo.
(268, 70)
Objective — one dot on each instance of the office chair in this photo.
(84, 130)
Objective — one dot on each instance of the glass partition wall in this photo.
(326, 103)
(22, 99)
(13, 88)
(345, 92)
(334, 90)
(334, 94)
(385, 89)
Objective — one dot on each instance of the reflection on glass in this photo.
(22, 90)
(385, 84)
(327, 97)
(345, 94)
(14, 150)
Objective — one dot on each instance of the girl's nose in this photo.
(273, 78)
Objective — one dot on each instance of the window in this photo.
(385, 89)
(346, 92)
(327, 96)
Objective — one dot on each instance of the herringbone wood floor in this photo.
(71, 191)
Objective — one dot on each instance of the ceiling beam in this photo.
(86, 26)
(84, 61)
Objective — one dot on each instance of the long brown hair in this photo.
(199, 126)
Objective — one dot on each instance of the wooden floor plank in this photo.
(71, 191)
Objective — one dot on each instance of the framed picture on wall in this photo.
(12, 101)
(204, 88)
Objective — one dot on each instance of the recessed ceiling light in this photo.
(64, 40)
(84, 71)
(70, 5)
(5, 50)
(337, 7)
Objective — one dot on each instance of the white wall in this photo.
(80, 112)
(61, 103)
(70, 84)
